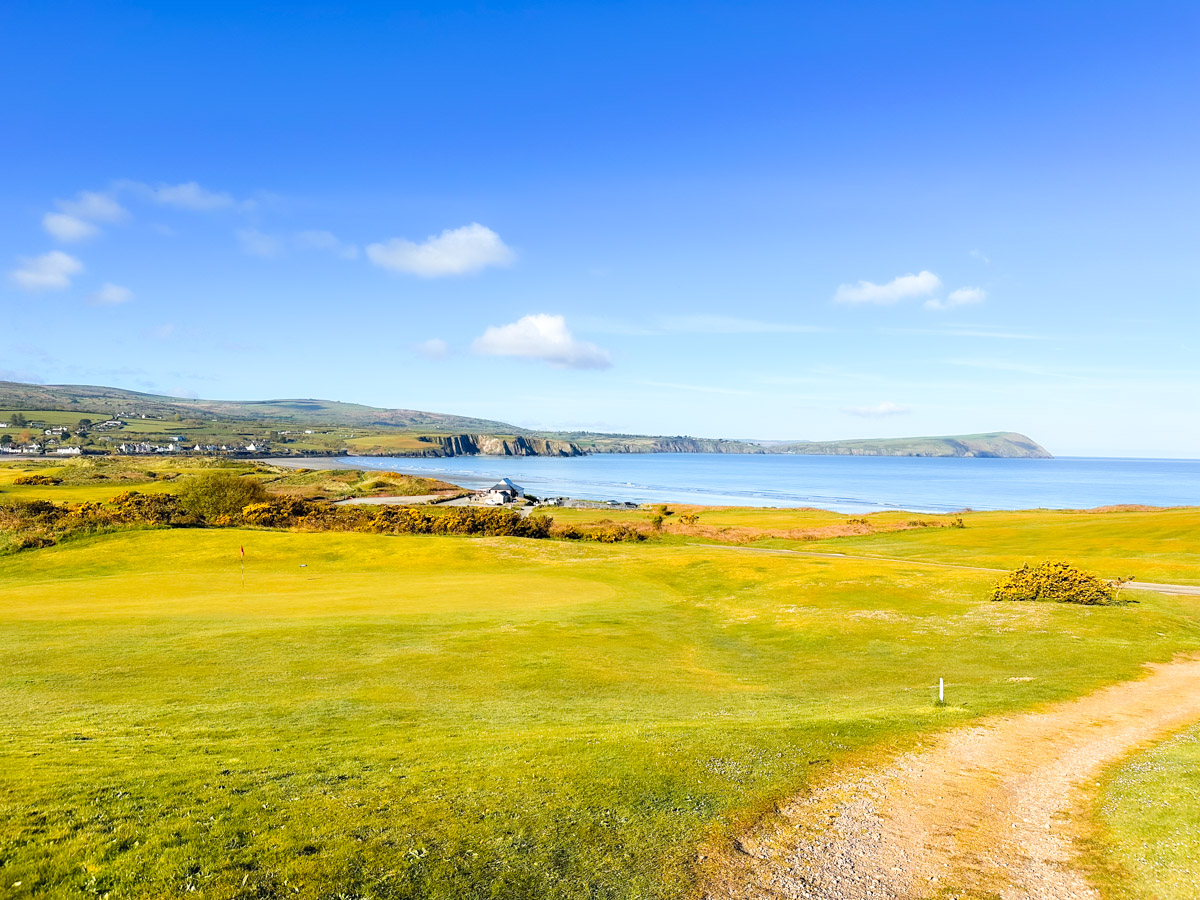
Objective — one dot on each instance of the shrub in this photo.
(21, 515)
(1060, 582)
(36, 479)
(615, 533)
(459, 520)
(605, 531)
(214, 494)
(279, 513)
(32, 541)
(151, 509)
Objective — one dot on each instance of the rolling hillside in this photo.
(327, 426)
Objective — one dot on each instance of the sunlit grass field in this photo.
(378, 716)
(1148, 814)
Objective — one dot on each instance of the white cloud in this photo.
(49, 272)
(434, 348)
(325, 240)
(256, 243)
(68, 228)
(111, 295)
(94, 207)
(979, 255)
(964, 296)
(878, 411)
(542, 337)
(902, 287)
(453, 252)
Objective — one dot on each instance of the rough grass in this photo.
(379, 716)
(1148, 813)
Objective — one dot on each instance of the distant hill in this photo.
(1006, 444)
(314, 427)
(116, 401)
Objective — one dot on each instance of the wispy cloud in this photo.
(902, 287)
(67, 228)
(977, 254)
(324, 240)
(697, 388)
(457, 251)
(963, 296)
(434, 348)
(94, 206)
(75, 220)
(256, 243)
(542, 337)
(878, 411)
(966, 331)
(187, 195)
(260, 243)
(716, 324)
(1003, 365)
(49, 272)
(111, 295)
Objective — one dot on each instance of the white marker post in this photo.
(941, 691)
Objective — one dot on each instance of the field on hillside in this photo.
(439, 717)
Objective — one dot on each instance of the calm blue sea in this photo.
(842, 483)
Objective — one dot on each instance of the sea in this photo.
(849, 484)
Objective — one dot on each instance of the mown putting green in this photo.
(432, 717)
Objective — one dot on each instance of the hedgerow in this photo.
(28, 524)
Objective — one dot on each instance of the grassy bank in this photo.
(1147, 846)
(385, 716)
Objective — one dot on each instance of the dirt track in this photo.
(981, 811)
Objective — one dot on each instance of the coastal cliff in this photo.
(673, 445)
(490, 445)
(999, 445)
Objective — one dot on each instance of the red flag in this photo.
(243, 549)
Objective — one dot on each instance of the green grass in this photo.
(468, 718)
(1149, 817)
(1153, 544)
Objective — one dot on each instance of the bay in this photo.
(851, 484)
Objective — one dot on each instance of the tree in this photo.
(216, 494)
(16, 420)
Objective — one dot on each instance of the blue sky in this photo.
(742, 220)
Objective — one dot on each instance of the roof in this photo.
(506, 484)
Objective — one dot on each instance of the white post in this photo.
(941, 691)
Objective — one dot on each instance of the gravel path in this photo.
(982, 811)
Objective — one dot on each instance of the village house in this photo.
(503, 491)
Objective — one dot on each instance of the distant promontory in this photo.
(83, 419)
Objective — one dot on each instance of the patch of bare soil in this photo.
(979, 812)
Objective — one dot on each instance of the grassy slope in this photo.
(1152, 544)
(1148, 845)
(440, 717)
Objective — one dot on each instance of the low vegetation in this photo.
(1055, 581)
(411, 716)
(1148, 812)
(381, 711)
